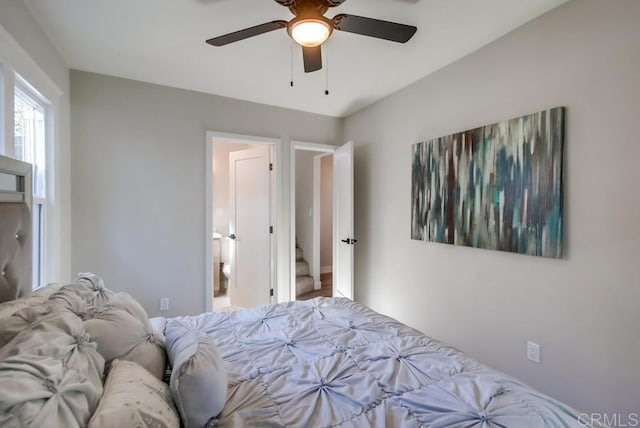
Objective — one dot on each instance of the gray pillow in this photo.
(69, 299)
(9, 308)
(92, 280)
(20, 320)
(46, 290)
(60, 335)
(121, 335)
(158, 324)
(198, 377)
(133, 397)
(128, 304)
(90, 288)
(39, 391)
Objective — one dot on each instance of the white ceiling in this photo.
(162, 41)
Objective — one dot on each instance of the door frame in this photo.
(312, 147)
(276, 201)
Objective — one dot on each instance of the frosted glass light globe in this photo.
(310, 33)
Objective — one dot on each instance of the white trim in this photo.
(210, 139)
(46, 255)
(313, 147)
(7, 108)
(299, 145)
(52, 213)
(316, 221)
(13, 54)
(39, 282)
(208, 209)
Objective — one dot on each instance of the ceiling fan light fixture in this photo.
(310, 32)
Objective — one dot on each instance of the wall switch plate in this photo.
(164, 304)
(533, 352)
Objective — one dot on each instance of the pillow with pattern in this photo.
(133, 397)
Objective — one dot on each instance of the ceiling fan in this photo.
(310, 28)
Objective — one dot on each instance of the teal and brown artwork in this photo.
(497, 187)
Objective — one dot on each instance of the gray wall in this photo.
(326, 212)
(582, 309)
(138, 190)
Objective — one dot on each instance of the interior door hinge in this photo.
(271, 293)
(270, 229)
(270, 167)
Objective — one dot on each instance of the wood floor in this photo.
(325, 291)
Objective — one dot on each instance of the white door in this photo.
(344, 239)
(249, 223)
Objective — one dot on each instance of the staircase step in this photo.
(298, 253)
(304, 284)
(302, 268)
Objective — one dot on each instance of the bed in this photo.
(334, 362)
(81, 354)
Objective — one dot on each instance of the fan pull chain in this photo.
(326, 70)
(291, 56)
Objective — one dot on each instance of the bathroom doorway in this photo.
(241, 268)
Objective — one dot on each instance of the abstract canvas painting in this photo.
(497, 187)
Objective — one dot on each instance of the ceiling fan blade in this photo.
(374, 28)
(286, 3)
(246, 33)
(312, 58)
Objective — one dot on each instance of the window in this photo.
(33, 115)
(30, 117)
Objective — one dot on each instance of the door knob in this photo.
(346, 241)
(232, 236)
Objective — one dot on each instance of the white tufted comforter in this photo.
(333, 362)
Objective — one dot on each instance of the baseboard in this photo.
(317, 285)
(326, 269)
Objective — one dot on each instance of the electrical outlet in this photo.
(533, 352)
(164, 304)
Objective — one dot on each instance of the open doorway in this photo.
(313, 231)
(340, 271)
(241, 212)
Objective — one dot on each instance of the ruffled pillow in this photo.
(9, 308)
(134, 397)
(125, 302)
(91, 289)
(40, 391)
(69, 299)
(121, 335)
(198, 377)
(60, 335)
